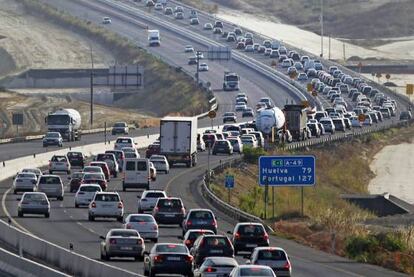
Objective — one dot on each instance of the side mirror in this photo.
(230, 232)
(248, 262)
(102, 237)
(18, 199)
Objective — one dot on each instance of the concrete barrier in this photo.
(15, 265)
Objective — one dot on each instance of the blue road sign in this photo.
(229, 182)
(287, 171)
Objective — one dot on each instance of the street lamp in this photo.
(92, 67)
(321, 19)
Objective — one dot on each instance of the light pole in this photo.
(198, 53)
(321, 18)
(91, 116)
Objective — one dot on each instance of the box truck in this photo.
(154, 38)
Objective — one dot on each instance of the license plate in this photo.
(216, 251)
(202, 222)
(251, 245)
(126, 248)
(174, 258)
(169, 215)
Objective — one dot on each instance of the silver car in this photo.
(86, 193)
(274, 257)
(252, 270)
(34, 170)
(144, 224)
(24, 182)
(148, 200)
(236, 143)
(216, 267)
(33, 203)
(122, 243)
(59, 163)
(51, 185)
(160, 163)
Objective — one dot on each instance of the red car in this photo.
(95, 178)
(153, 149)
(104, 167)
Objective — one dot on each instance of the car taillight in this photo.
(140, 241)
(189, 258)
(120, 205)
(112, 241)
(265, 236)
(25, 202)
(156, 209)
(287, 265)
(50, 164)
(187, 242)
(189, 222)
(237, 235)
(210, 269)
(93, 205)
(158, 259)
(155, 227)
(215, 223)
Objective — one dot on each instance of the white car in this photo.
(24, 182)
(59, 163)
(216, 266)
(201, 145)
(355, 123)
(189, 49)
(122, 142)
(34, 170)
(145, 224)
(106, 20)
(86, 193)
(248, 140)
(160, 163)
(208, 26)
(252, 270)
(203, 67)
(240, 107)
(236, 143)
(106, 204)
(275, 257)
(148, 200)
(130, 152)
(158, 7)
(93, 169)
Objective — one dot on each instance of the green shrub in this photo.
(361, 246)
(251, 155)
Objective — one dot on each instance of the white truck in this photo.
(231, 81)
(65, 121)
(178, 139)
(154, 38)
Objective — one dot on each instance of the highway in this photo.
(69, 225)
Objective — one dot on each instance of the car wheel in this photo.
(68, 172)
(155, 240)
(15, 192)
(60, 198)
(19, 214)
(115, 174)
(140, 211)
(103, 257)
(91, 218)
(47, 215)
(145, 272)
(120, 218)
(76, 205)
(151, 273)
(50, 171)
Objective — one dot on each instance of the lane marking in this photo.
(14, 222)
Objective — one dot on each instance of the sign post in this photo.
(229, 184)
(282, 171)
(17, 119)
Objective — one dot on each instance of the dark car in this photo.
(153, 149)
(200, 219)
(76, 159)
(191, 236)
(339, 124)
(209, 139)
(168, 258)
(211, 245)
(247, 236)
(229, 116)
(75, 181)
(248, 112)
(94, 178)
(169, 211)
(222, 146)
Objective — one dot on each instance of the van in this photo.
(136, 174)
(51, 185)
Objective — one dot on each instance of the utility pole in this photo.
(321, 28)
(92, 68)
(198, 53)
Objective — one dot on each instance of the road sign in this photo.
(17, 118)
(309, 87)
(361, 117)
(212, 114)
(410, 89)
(229, 181)
(287, 170)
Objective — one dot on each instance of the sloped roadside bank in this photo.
(330, 224)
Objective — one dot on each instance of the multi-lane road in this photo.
(69, 225)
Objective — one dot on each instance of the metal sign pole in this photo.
(273, 202)
(228, 194)
(301, 192)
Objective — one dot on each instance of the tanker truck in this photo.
(65, 121)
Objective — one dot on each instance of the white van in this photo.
(136, 174)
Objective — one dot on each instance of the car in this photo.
(130, 152)
(168, 258)
(148, 199)
(192, 60)
(222, 147)
(256, 47)
(24, 181)
(194, 21)
(168, 11)
(267, 52)
(229, 117)
(406, 115)
(34, 170)
(209, 139)
(217, 31)
(122, 243)
(75, 181)
(106, 20)
(339, 124)
(189, 49)
(240, 107)
(348, 124)
(203, 67)
(211, 246)
(59, 163)
(169, 210)
(33, 203)
(120, 157)
(274, 257)
(218, 24)
(104, 167)
(248, 235)
(179, 15)
(355, 122)
(93, 169)
(302, 76)
(240, 45)
(327, 124)
(120, 128)
(85, 194)
(158, 7)
(249, 48)
(216, 266)
(178, 9)
(152, 149)
(52, 138)
(274, 54)
(248, 112)
(144, 224)
(199, 219)
(192, 234)
(236, 144)
(153, 171)
(208, 26)
(76, 159)
(252, 270)
(95, 178)
(106, 205)
(201, 146)
(161, 163)
(261, 49)
(149, 3)
(111, 161)
(314, 129)
(259, 138)
(122, 142)
(51, 185)
(249, 141)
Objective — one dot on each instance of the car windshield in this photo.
(221, 142)
(74, 154)
(107, 197)
(52, 135)
(26, 175)
(256, 271)
(49, 180)
(124, 140)
(251, 229)
(216, 241)
(124, 233)
(200, 215)
(171, 248)
(272, 254)
(170, 203)
(193, 235)
(103, 157)
(58, 119)
(60, 159)
(77, 175)
(90, 188)
(120, 124)
(34, 197)
(93, 176)
(154, 195)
